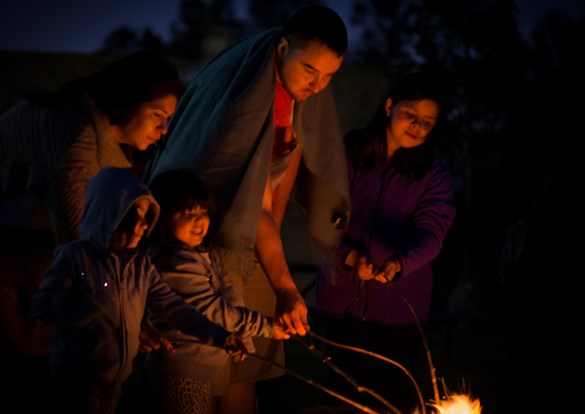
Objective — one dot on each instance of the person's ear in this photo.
(282, 46)
(388, 107)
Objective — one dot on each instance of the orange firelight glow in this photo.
(458, 404)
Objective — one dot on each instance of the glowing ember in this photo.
(458, 404)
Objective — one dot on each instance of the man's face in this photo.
(305, 69)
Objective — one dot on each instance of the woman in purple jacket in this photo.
(378, 282)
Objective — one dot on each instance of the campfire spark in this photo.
(458, 404)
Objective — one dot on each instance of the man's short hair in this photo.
(318, 23)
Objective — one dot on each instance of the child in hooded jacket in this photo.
(97, 289)
(192, 379)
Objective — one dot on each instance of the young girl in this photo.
(96, 291)
(187, 379)
(378, 285)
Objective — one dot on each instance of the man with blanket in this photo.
(256, 121)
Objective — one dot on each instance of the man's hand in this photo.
(291, 312)
(279, 331)
(151, 340)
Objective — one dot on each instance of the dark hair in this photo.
(367, 147)
(120, 87)
(318, 23)
(176, 191)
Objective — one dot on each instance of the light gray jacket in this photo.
(202, 283)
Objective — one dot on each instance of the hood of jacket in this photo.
(109, 196)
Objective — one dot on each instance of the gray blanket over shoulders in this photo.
(223, 129)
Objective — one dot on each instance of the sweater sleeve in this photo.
(191, 279)
(61, 298)
(47, 300)
(433, 216)
(92, 149)
(166, 304)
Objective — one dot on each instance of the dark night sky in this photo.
(81, 26)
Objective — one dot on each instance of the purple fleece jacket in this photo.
(391, 215)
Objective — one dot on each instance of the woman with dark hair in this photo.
(51, 144)
(377, 286)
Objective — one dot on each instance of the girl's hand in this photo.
(365, 269)
(389, 271)
(234, 346)
(151, 340)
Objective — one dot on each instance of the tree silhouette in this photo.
(265, 14)
(199, 21)
(121, 40)
(125, 39)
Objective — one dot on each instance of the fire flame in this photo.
(458, 404)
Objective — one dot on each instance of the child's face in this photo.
(142, 207)
(190, 226)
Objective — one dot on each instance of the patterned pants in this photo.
(183, 395)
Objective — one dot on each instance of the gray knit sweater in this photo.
(52, 151)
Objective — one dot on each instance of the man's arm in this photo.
(291, 309)
(281, 193)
